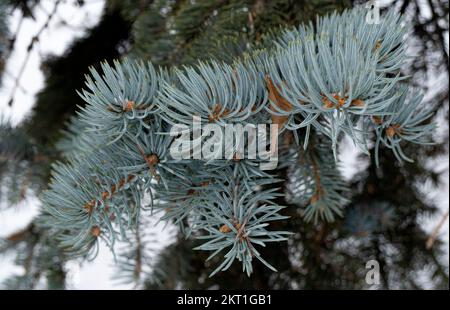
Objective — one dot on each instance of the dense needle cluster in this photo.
(318, 82)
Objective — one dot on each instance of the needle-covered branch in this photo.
(338, 78)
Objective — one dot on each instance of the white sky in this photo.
(54, 40)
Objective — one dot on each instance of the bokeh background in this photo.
(46, 47)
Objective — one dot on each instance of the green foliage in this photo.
(39, 256)
(182, 32)
(136, 261)
(315, 181)
(120, 88)
(22, 166)
(344, 75)
(316, 78)
(404, 122)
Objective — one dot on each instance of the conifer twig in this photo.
(432, 238)
(34, 39)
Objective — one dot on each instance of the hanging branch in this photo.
(29, 49)
(432, 238)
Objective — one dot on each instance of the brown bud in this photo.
(89, 206)
(152, 159)
(129, 106)
(105, 195)
(236, 157)
(327, 102)
(217, 113)
(377, 120)
(340, 100)
(204, 183)
(392, 130)
(121, 183)
(357, 102)
(95, 231)
(377, 46)
(224, 229)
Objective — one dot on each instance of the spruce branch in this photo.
(316, 183)
(330, 80)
